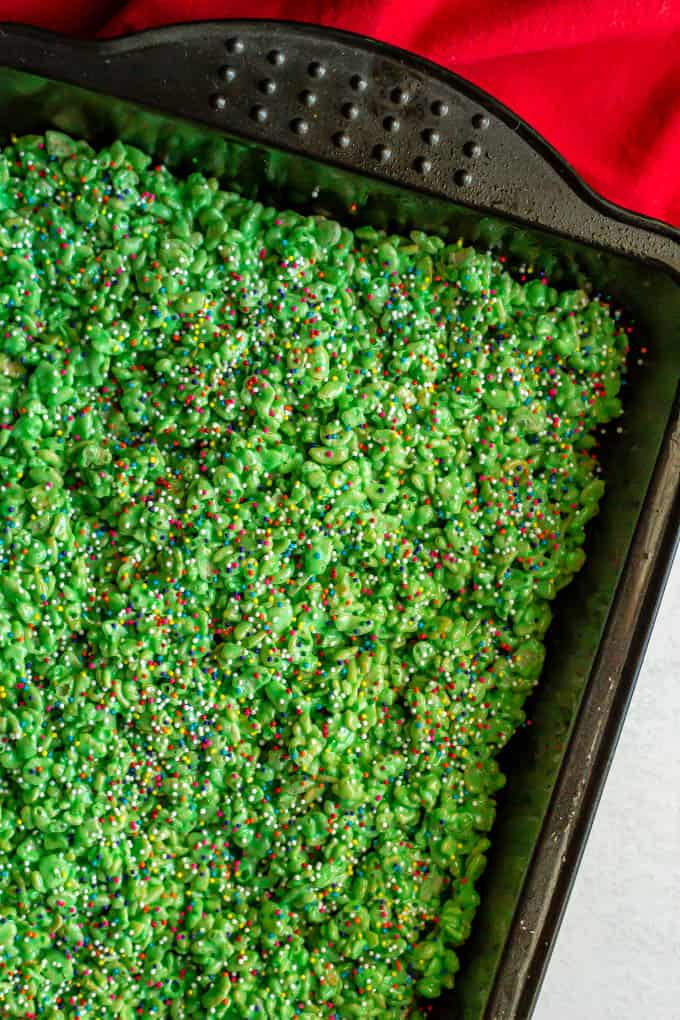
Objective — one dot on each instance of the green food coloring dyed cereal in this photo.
(283, 509)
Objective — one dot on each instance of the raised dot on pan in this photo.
(472, 149)
(316, 70)
(276, 57)
(480, 121)
(391, 124)
(341, 139)
(299, 126)
(382, 152)
(358, 83)
(218, 102)
(350, 110)
(227, 73)
(463, 178)
(307, 97)
(268, 86)
(399, 95)
(439, 108)
(431, 136)
(423, 165)
(235, 45)
(260, 114)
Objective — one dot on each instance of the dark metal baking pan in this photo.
(326, 121)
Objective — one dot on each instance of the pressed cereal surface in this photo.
(283, 508)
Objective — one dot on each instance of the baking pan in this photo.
(326, 121)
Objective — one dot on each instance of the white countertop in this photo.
(617, 955)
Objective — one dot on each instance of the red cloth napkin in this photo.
(600, 79)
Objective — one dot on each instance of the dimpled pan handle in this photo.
(351, 102)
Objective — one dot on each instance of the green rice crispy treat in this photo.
(283, 509)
